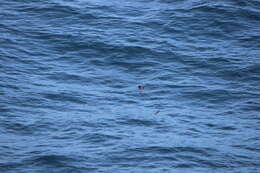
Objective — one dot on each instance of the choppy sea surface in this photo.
(69, 101)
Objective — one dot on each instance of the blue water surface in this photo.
(69, 76)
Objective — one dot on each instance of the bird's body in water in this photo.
(140, 87)
(157, 112)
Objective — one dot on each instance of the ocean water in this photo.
(69, 101)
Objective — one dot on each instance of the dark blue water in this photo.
(69, 101)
